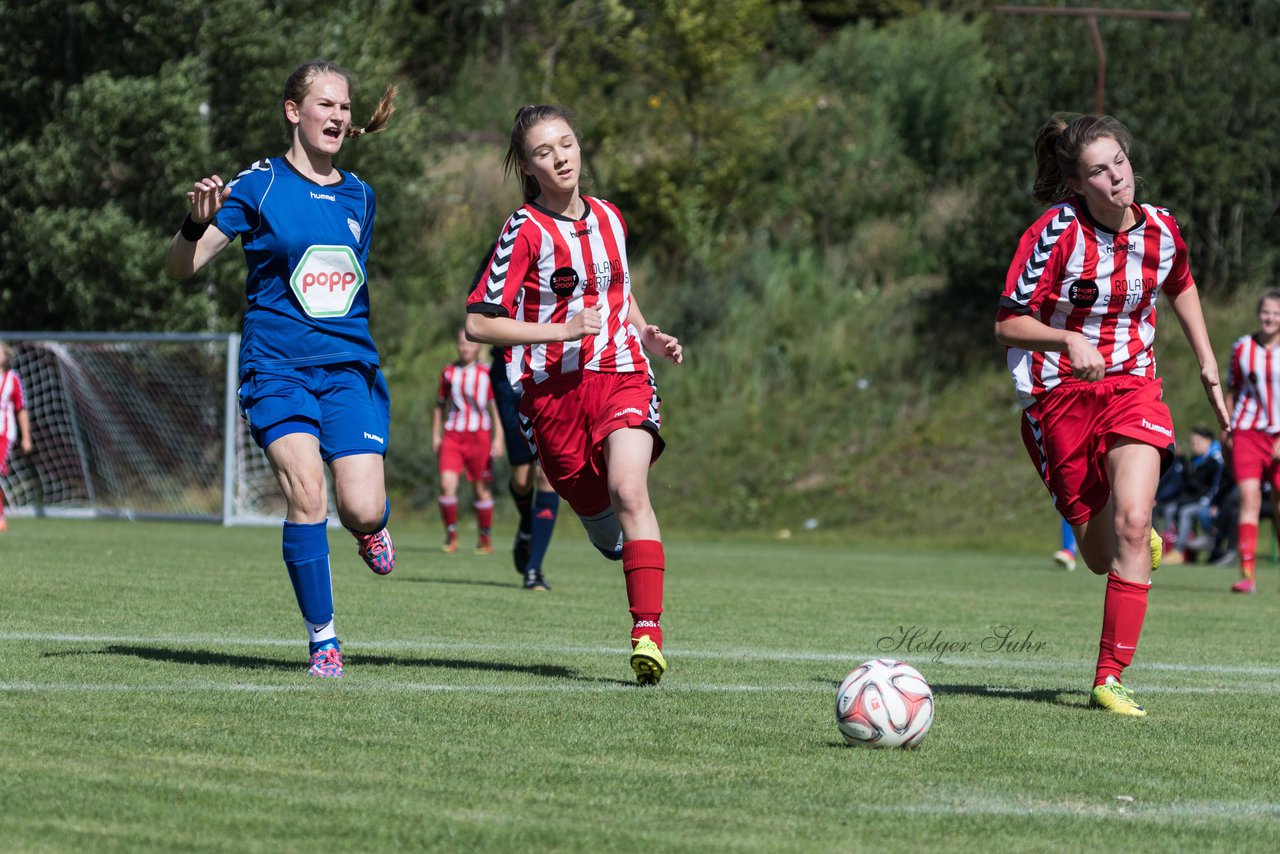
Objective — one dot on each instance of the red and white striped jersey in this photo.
(546, 268)
(11, 401)
(1072, 273)
(1255, 383)
(464, 395)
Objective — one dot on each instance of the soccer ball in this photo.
(884, 703)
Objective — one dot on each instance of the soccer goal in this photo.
(142, 426)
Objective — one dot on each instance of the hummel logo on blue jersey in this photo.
(325, 196)
(378, 439)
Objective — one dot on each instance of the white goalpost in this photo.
(139, 426)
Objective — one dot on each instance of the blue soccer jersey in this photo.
(306, 246)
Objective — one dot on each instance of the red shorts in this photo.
(1253, 456)
(570, 419)
(469, 451)
(1069, 431)
(4, 455)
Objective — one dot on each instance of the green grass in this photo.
(153, 697)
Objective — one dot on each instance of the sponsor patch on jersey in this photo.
(1083, 293)
(355, 228)
(327, 280)
(564, 281)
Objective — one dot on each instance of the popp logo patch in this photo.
(327, 280)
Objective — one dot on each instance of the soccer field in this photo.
(153, 696)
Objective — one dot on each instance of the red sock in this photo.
(484, 516)
(643, 566)
(1248, 546)
(449, 513)
(1123, 610)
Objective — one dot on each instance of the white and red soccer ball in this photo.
(884, 703)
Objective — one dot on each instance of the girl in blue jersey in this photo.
(310, 386)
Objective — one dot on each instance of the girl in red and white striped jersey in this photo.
(558, 293)
(1254, 397)
(465, 436)
(15, 423)
(1078, 317)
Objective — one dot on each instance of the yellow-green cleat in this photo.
(647, 661)
(1114, 697)
(1157, 550)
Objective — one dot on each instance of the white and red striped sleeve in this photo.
(517, 249)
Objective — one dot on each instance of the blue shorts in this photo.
(507, 401)
(347, 407)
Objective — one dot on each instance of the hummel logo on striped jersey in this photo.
(629, 409)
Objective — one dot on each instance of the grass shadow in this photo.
(1052, 696)
(294, 663)
(517, 583)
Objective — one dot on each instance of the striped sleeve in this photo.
(445, 391)
(1234, 378)
(1035, 265)
(1179, 278)
(496, 291)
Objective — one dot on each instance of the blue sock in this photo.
(545, 507)
(306, 554)
(1068, 537)
(524, 506)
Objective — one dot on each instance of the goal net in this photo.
(136, 426)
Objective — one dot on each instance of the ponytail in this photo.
(381, 114)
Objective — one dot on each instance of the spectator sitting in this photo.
(1201, 479)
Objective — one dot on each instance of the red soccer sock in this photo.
(1247, 537)
(449, 513)
(1123, 610)
(484, 516)
(643, 567)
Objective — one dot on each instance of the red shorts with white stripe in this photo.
(4, 455)
(1069, 431)
(570, 419)
(1253, 456)
(469, 451)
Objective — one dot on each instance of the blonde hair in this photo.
(295, 89)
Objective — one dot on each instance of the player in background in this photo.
(1078, 317)
(558, 293)
(15, 423)
(310, 384)
(1253, 396)
(1065, 556)
(465, 437)
(535, 500)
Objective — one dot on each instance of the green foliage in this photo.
(818, 193)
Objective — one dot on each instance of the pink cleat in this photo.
(326, 663)
(377, 551)
(1245, 585)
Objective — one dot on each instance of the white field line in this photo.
(559, 687)
(1234, 811)
(1033, 662)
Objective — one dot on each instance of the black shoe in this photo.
(533, 580)
(520, 551)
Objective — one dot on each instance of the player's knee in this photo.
(308, 498)
(1133, 527)
(366, 514)
(630, 497)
